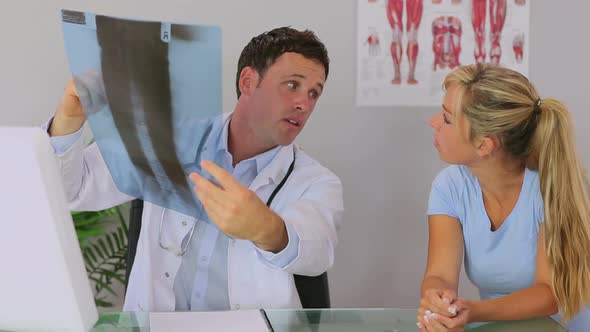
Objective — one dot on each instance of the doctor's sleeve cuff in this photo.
(288, 254)
(61, 144)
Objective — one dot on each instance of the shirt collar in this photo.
(277, 163)
(262, 160)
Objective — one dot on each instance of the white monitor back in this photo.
(43, 282)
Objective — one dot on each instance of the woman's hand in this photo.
(434, 322)
(438, 301)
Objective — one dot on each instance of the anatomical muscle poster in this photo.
(405, 48)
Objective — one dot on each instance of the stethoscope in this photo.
(184, 248)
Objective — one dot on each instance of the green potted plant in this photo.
(103, 240)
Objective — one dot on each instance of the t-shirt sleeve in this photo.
(444, 194)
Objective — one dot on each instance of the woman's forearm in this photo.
(435, 282)
(534, 301)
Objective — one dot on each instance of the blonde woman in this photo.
(515, 204)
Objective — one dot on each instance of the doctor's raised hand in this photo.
(69, 116)
(237, 211)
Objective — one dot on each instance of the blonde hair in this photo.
(502, 103)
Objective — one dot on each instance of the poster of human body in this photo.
(406, 47)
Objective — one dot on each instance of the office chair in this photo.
(313, 291)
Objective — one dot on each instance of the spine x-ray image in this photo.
(151, 91)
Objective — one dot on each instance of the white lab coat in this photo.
(311, 201)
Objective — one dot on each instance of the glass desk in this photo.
(335, 320)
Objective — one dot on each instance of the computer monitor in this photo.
(43, 282)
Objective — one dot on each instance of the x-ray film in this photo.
(150, 91)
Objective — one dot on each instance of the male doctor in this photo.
(273, 211)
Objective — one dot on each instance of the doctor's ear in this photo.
(248, 81)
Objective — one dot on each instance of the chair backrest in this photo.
(314, 292)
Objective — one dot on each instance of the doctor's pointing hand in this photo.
(237, 211)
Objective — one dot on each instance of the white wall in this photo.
(383, 155)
